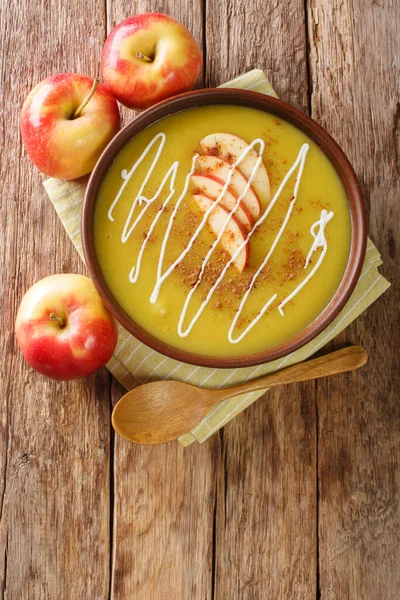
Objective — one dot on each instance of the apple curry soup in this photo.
(222, 230)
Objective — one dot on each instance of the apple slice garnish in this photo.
(234, 234)
(211, 165)
(211, 186)
(230, 147)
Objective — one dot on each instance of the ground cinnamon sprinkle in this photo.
(214, 151)
(293, 266)
(192, 220)
(188, 274)
(242, 321)
(150, 238)
(234, 285)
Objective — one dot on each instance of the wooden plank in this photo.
(271, 36)
(266, 516)
(54, 530)
(164, 508)
(354, 64)
(165, 496)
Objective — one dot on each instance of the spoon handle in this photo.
(341, 361)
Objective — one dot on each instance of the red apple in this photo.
(148, 58)
(66, 122)
(63, 328)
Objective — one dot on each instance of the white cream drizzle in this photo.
(319, 242)
(319, 238)
(300, 161)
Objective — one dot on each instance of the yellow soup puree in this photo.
(202, 251)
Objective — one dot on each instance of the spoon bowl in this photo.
(171, 407)
(158, 412)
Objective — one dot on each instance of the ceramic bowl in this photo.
(281, 110)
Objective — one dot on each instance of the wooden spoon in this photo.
(161, 411)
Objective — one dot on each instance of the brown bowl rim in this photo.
(301, 121)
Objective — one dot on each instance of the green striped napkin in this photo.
(134, 363)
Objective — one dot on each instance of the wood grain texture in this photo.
(235, 518)
(165, 496)
(241, 36)
(266, 505)
(266, 515)
(163, 520)
(54, 529)
(354, 65)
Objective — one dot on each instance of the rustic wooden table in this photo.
(298, 498)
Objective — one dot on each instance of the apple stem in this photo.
(59, 320)
(143, 57)
(86, 99)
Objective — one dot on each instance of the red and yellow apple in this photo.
(63, 328)
(148, 58)
(66, 122)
